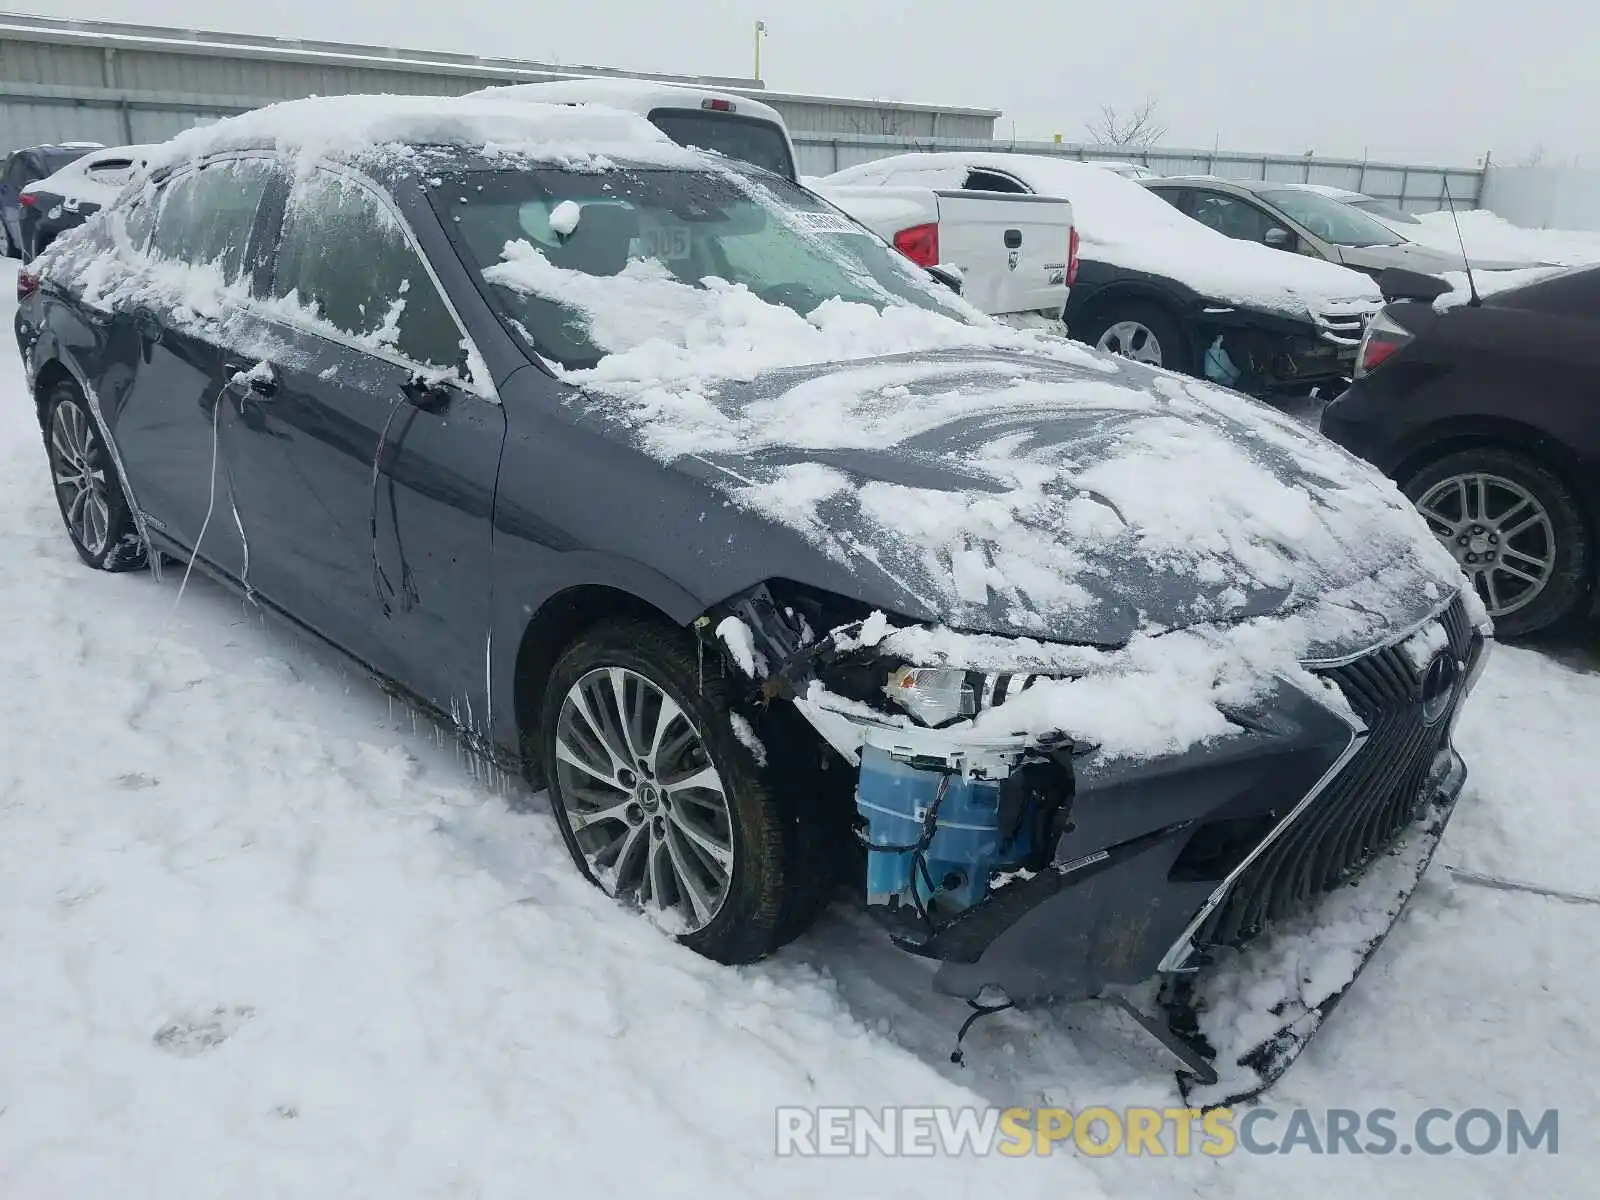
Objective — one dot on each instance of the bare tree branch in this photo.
(1139, 129)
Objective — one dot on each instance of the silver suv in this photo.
(1287, 216)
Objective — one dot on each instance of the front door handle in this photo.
(257, 378)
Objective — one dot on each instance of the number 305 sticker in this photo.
(668, 242)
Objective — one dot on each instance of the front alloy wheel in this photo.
(642, 798)
(661, 801)
(1132, 340)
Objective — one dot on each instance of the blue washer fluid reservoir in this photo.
(894, 797)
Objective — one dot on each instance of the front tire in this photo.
(657, 799)
(1516, 528)
(1142, 331)
(88, 489)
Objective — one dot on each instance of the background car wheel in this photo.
(88, 490)
(660, 803)
(7, 250)
(1515, 527)
(1143, 332)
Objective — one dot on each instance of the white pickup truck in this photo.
(1017, 254)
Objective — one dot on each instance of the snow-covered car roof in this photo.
(387, 126)
(1122, 223)
(98, 176)
(632, 95)
(1323, 189)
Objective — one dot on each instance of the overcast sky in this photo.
(1416, 80)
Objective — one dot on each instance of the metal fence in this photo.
(1413, 188)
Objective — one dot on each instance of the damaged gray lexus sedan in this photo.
(776, 562)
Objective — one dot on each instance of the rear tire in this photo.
(88, 489)
(1135, 328)
(626, 815)
(1517, 529)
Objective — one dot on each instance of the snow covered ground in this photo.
(264, 937)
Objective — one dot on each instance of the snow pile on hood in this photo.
(582, 136)
(1126, 225)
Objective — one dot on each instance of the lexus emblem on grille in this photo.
(1439, 686)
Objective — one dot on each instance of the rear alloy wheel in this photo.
(87, 489)
(1515, 528)
(659, 802)
(1140, 331)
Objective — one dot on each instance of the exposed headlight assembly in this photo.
(939, 696)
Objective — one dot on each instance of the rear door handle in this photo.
(258, 378)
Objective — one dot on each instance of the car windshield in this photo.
(1331, 220)
(580, 262)
(1386, 211)
(745, 139)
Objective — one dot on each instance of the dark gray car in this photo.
(777, 563)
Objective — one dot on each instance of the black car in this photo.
(22, 168)
(74, 193)
(1488, 415)
(1157, 287)
(772, 559)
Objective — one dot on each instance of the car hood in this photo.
(1414, 256)
(1072, 498)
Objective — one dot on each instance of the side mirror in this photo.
(1280, 238)
(949, 275)
(1397, 283)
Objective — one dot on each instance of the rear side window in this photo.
(206, 215)
(991, 181)
(748, 139)
(346, 257)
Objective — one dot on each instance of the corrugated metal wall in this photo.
(1415, 188)
(117, 90)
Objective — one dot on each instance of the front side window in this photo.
(1331, 220)
(206, 215)
(1233, 217)
(345, 257)
(583, 264)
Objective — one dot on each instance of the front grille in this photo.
(1364, 808)
(1344, 328)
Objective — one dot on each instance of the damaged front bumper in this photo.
(1161, 869)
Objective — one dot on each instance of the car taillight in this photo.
(27, 285)
(1072, 256)
(1383, 339)
(717, 105)
(26, 200)
(920, 244)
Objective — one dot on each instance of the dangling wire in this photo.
(979, 1011)
(211, 503)
(380, 580)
